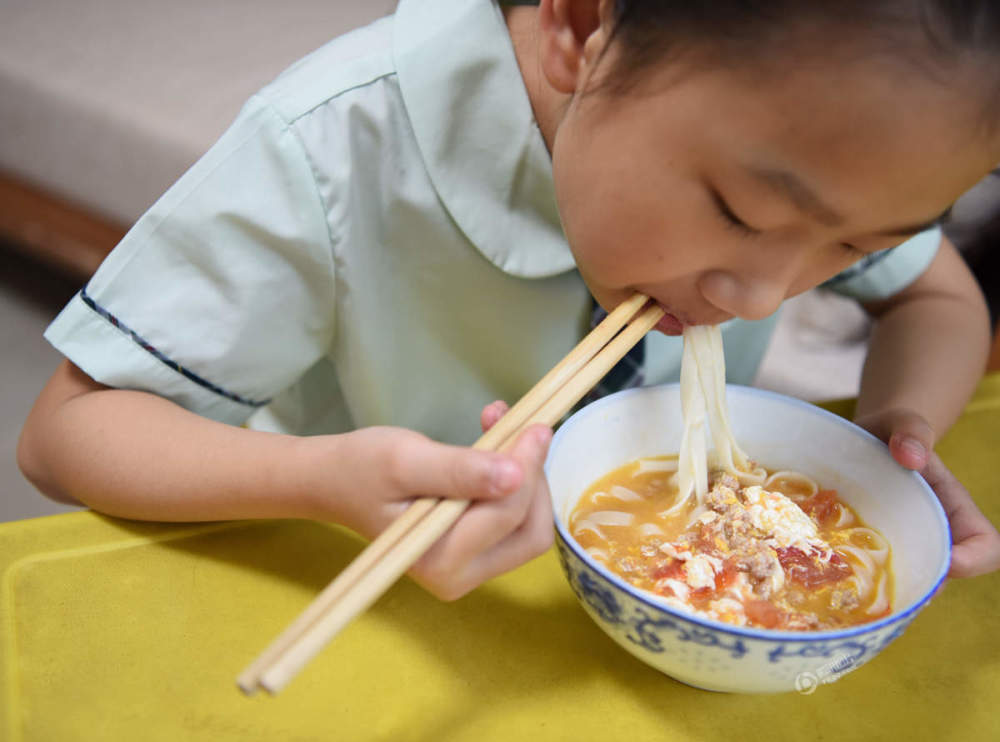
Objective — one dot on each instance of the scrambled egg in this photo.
(781, 520)
(776, 522)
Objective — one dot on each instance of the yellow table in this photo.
(113, 630)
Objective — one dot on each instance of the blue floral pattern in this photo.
(654, 631)
(853, 650)
(643, 626)
(644, 634)
(601, 600)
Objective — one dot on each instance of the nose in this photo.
(750, 297)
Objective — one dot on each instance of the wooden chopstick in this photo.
(507, 426)
(424, 522)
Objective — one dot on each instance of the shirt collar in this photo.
(478, 137)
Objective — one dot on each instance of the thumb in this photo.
(426, 468)
(532, 445)
(911, 440)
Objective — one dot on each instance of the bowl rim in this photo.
(748, 632)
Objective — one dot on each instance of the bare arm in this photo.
(136, 455)
(929, 346)
(927, 353)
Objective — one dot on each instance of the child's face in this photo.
(720, 196)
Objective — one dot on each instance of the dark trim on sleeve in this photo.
(149, 348)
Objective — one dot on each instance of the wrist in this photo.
(314, 473)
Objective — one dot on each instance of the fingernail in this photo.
(505, 477)
(912, 446)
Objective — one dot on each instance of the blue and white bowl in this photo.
(781, 433)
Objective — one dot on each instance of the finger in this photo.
(492, 413)
(530, 539)
(976, 555)
(418, 465)
(908, 435)
(486, 523)
(954, 497)
(911, 440)
(976, 547)
(533, 538)
(945, 484)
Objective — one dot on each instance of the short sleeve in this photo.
(885, 273)
(222, 294)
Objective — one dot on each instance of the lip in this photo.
(669, 325)
(673, 323)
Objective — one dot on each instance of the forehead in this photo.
(864, 133)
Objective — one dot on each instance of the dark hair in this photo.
(933, 34)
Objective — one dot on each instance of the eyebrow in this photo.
(806, 200)
(793, 188)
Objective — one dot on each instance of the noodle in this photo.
(780, 480)
(865, 576)
(844, 517)
(651, 529)
(703, 401)
(880, 552)
(714, 533)
(624, 493)
(599, 554)
(881, 603)
(651, 465)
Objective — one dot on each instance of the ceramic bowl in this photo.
(780, 432)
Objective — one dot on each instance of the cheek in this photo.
(626, 230)
(604, 195)
(768, 276)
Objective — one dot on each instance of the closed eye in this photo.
(851, 250)
(729, 217)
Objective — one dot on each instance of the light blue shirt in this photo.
(375, 240)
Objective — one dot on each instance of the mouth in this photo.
(674, 320)
(673, 323)
(669, 324)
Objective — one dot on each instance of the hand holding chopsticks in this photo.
(398, 547)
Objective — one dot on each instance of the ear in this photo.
(573, 33)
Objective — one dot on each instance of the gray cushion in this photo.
(107, 102)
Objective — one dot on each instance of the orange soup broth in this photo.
(811, 588)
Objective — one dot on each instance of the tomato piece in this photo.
(764, 614)
(725, 576)
(723, 579)
(807, 569)
(665, 590)
(699, 597)
(670, 568)
(822, 506)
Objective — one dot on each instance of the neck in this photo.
(547, 104)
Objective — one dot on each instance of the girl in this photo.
(411, 221)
